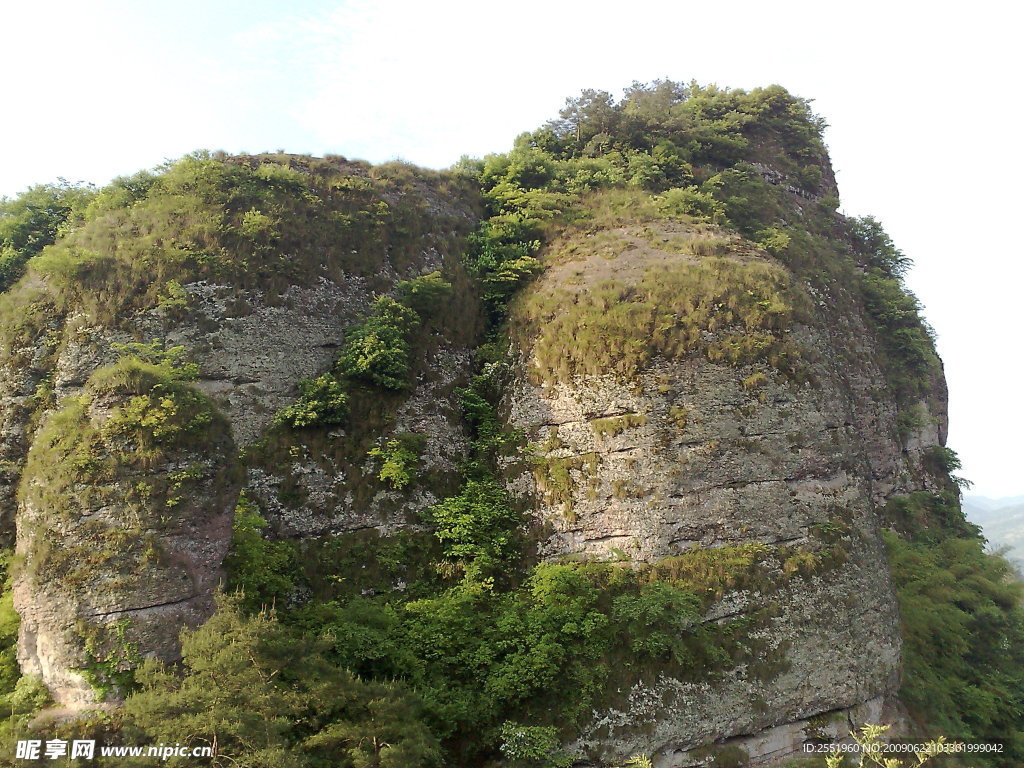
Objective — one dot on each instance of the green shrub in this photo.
(34, 220)
(10, 672)
(533, 746)
(478, 527)
(691, 201)
(773, 240)
(377, 349)
(425, 294)
(657, 619)
(962, 623)
(906, 341)
(322, 401)
(261, 569)
(113, 659)
(160, 412)
(876, 249)
(399, 458)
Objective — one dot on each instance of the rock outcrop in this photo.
(122, 530)
(792, 452)
(681, 390)
(122, 474)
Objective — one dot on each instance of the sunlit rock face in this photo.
(687, 453)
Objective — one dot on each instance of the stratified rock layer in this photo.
(690, 453)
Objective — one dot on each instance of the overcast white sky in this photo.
(922, 100)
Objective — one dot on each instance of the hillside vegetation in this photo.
(451, 642)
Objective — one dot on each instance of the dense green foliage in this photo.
(907, 343)
(264, 695)
(963, 626)
(261, 569)
(264, 222)
(34, 220)
(688, 143)
(321, 401)
(10, 673)
(399, 458)
(376, 350)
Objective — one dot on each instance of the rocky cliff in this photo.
(691, 378)
(789, 449)
(122, 472)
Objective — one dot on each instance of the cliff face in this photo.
(122, 467)
(724, 405)
(790, 451)
(122, 534)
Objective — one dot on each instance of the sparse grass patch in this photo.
(735, 312)
(679, 415)
(615, 425)
(558, 478)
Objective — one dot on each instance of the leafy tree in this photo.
(33, 220)
(262, 696)
(584, 117)
(261, 569)
(877, 250)
(478, 527)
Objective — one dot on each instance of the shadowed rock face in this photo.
(690, 453)
(120, 544)
(122, 540)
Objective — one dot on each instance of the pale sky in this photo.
(922, 100)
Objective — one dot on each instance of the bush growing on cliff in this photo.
(34, 220)
(477, 527)
(907, 342)
(322, 400)
(876, 249)
(691, 201)
(377, 349)
(260, 569)
(425, 294)
(399, 458)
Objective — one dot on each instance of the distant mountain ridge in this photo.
(1002, 522)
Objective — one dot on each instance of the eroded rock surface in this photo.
(690, 453)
